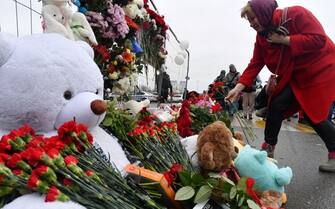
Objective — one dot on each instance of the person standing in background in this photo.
(166, 86)
(221, 77)
(232, 77)
(248, 99)
(230, 81)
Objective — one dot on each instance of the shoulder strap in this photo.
(282, 27)
(284, 21)
(231, 80)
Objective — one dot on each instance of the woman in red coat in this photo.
(305, 69)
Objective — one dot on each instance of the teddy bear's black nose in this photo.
(98, 106)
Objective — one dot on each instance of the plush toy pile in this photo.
(59, 18)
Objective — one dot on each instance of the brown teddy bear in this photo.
(215, 147)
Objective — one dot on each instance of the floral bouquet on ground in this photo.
(155, 144)
(197, 112)
(65, 167)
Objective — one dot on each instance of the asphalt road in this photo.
(303, 152)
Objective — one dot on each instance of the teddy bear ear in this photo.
(7, 46)
(86, 47)
(283, 176)
(261, 156)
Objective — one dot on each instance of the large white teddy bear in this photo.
(46, 80)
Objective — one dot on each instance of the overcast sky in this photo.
(217, 34)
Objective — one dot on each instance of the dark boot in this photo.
(328, 166)
(270, 149)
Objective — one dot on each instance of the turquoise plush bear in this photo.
(254, 163)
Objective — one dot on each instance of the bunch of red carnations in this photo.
(64, 167)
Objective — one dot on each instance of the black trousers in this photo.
(325, 129)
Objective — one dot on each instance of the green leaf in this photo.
(228, 180)
(252, 204)
(241, 184)
(197, 179)
(232, 193)
(212, 182)
(241, 201)
(184, 193)
(214, 175)
(185, 178)
(203, 194)
(108, 121)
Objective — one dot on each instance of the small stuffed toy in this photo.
(270, 180)
(135, 107)
(65, 10)
(54, 21)
(215, 147)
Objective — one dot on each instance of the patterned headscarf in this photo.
(263, 10)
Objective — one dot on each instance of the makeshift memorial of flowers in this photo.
(64, 167)
(156, 144)
(118, 53)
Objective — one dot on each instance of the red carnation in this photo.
(67, 182)
(53, 153)
(33, 155)
(250, 182)
(4, 143)
(5, 157)
(66, 131)
(175, 168)
(35, 183)
(54, 194)
(70, 159)
(54, 142)
(45, 173)
(40, 170)
(103, 51)
(14, 160)
(169, 177)
(89, 172)
(216, 107)
(37, 141)
(27, 130)
(19, 172)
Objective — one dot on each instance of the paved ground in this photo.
(301, 149)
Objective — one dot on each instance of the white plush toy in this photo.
(134, 9)
(54, 21)
(135, 107)
(131, 10)
(81, 29)
(36, 201)
(45, 80)
(65, 10)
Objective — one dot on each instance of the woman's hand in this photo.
(232, 94)
(278, 39)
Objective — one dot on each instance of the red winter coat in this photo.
(308, 64)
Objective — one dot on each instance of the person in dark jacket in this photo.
(166, 86)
